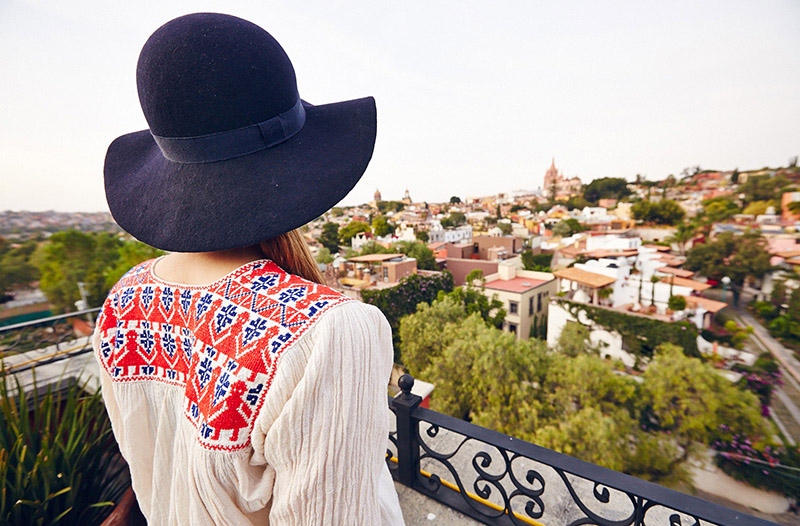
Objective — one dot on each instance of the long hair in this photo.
(290, 252)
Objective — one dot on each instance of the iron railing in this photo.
(500, 480)
(44, 341)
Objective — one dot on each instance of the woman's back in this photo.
(258, 397)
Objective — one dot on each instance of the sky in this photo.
(474, 98)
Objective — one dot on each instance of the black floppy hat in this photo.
(233, 156)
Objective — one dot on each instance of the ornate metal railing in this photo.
(498, 479)
(46, 340)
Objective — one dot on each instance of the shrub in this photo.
(677, 303)
(59, 462)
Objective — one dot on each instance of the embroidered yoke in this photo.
(257, 399)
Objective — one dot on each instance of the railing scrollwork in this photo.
(497, 479)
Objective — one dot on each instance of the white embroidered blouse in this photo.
(257, 399)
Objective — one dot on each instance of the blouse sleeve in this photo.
(328, 443)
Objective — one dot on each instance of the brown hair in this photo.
(290, 252)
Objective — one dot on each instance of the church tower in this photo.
(377, 196)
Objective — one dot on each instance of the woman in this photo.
(240, 389)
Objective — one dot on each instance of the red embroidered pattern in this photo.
(221, 343)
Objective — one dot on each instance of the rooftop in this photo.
(518, 284)
(372, 258)
(584, 277)
(683, 282)
(679, 272)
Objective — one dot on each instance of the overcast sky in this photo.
(474, 98)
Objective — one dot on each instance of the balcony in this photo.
(474, 472)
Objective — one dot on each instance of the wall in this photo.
(459, 268)
(610, 342)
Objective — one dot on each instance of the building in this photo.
(492, 248)
(461, 234)
(565, 188)
(525, 295)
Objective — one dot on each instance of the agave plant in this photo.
(59, 463)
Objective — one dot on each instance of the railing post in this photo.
(407, 445)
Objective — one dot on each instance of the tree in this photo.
(539, 262)
(419, 251)
(737, 257)
(382, 227)
(505, 228)
(759, 207)
(454, 219)
(475, 301)
(690, 400)
(683, 234)
(718, 210)
(574, 340)
(606, 187)
(664, 212)
(16, 266)
(763, 188)
(676, 303)
(330, 237)
(324, 256)
(70, 257)
(653, 280)
(131, 253)
(455, 200)
(347, 232)
(567, 227)
(422, 236)
(337, 212)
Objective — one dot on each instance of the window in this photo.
(540, 301)
(530, 306)
(513, 307)
(512, 328)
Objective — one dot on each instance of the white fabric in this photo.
(318, 445)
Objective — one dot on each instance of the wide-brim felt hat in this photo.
(232, 155)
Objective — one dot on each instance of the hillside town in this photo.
(703, 263)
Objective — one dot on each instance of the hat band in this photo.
(234, 143)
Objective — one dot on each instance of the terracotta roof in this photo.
(712, 306)
(584, 277)
(793, 261)
(372, 258)
(437, 245)
(605, 253)
(660, 248)
(518, 284)
(683, 282)
(789, 253)
(681, 273)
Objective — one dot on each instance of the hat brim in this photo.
(239, 202)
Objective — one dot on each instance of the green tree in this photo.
(691, 401)
(539, 262)
(683, 234)
(70, 257)
(664, 212)
(454, 219)
(382, 227)
(606, 187)
(574, 340)
(474, 301)
(337, 212)
(347, 232)
(131, 253)
(676, 303)
(505, 228)
(455, 200)
(419, 251)
(16, 266)
(422, 236)
(324, 256)
(567, 227)
(330, 237)
(764, 188)
(737, 257)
